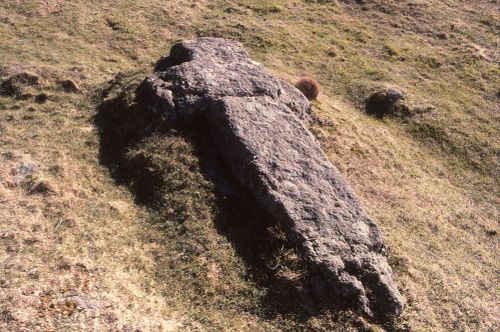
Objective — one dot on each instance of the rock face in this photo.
(259, 126)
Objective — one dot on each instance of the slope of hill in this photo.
(79, 250)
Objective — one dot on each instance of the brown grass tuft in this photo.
(309, 87)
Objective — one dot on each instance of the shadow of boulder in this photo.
(156, 162)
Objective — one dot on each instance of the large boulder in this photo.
(258, 124)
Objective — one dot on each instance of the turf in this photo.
(87, 253)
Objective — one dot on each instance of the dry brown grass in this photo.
(65, 243)
(86, 256)
(440, 244)
(309, 87)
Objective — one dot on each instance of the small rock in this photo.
(70, 86)
(383, 102)
(394, 95)
(391, 102)
(86, 303)
(25, 168)
(22, 174)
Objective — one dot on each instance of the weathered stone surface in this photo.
(259, 126)
(200, 71)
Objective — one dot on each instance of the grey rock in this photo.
(394, 95)
(86, 303)
(205, 69)
(385, 102)
(392, 102)
(25, 169)
(23, 174)
(259, 126)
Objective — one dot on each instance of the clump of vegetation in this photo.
(308, 86)
(13, 86)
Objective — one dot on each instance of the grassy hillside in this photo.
(79, 250)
